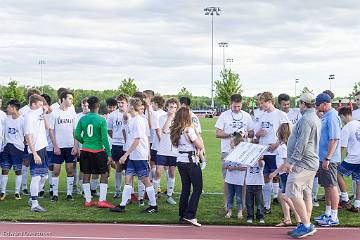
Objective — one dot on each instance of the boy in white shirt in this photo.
(35, 135)
(62, 126)
(293, 114)
(14, 147)
(138, 153)
(115, 126)
(166, 156)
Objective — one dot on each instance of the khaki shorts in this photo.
(223, 156)
(299, 183)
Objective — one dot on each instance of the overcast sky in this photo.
(166, 45)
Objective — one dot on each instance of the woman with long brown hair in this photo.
(184, 136)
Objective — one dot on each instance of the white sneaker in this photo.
(250, 221)
(38, 208)
(170, 200)
(193, 222)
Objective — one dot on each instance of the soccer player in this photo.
(265, 131)
(62, 126)
(166, 157)
(350, 141)
(115, 127)
(293, 114)
(57, 104)
(35, 135)
(14, 147)
(25, 165)
(186, 102)
(138, 154)
(95, 155)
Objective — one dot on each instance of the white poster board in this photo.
(246, 154)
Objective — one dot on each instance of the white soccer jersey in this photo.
(195, 120)
(115, 124)
(63, 124)
(350, 139)
(165, 147)
(356, 114)
(24, 110)
(14, 132)
(35, 125)
(155, 125)
(137, 127)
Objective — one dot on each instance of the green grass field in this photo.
(209, 212)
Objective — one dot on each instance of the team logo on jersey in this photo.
(118, 123)
(12, 130)
(254, 170)
(237, 125)
(266, 125)
(64, 120)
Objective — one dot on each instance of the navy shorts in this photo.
(11, 157)
(50, 155)
(162, 160)
(153, 154)
(64, 156)
(39, 169)
(283, 180)
(347, 169)
(26, 153)
(270, 164)
(117, 152)
(139, 168)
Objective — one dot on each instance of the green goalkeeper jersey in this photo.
(91, 132)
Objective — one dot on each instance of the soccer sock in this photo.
(315, 188)
(334, 214)
(24, 170)
(357, 203)
(56, 186)
(118, 181)
(156, 184)
(344, 196)
(18, 183)
(153, 173)
(94, 184)
(141, 190)
(267, 195)
(151, 194)
(170, 186)
(69, 185)
(87, 192)
(354, 188)
(4, 180)
(103, 191)
(126, 195)
(328, 210)
(42, 183)
(275, 189)
(50, 180)
(34, 190)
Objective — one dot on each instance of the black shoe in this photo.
(25, 192)
(275, 201)
(93, 193)
(118, 208)
(41, 194)
(267, 211)
(54, 198)
(51, 193)
(69, 198)
(152, 209)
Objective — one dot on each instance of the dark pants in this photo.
(190, 174)
(254, 195)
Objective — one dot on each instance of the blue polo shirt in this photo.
(330, 130)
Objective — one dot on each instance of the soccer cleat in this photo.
(2, 196)
(104, 204)
(354, 209)
(267, 210)
(90, 204)
(17, 196)
(38, 208)
(118, 209)
(117, 195)
(249, 221)
(170, 200)
(315, 203)
(41, 194)
(69, 198)
(193, 222)
(329, 222)
(302, 231)
(153, 209)
(321, 218)
(25, 192)
(134, 198)
(54, 198)
(141, 202)
(261, 221)
(344, 205)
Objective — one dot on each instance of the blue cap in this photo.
(322, 98)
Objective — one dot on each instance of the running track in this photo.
(160, 232)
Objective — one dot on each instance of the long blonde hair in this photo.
(283, 132)
(181, 121)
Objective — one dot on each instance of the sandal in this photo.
(284, 223)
